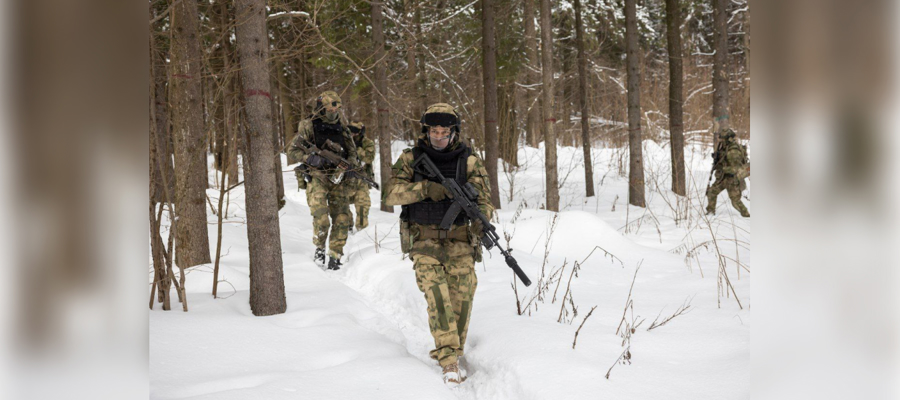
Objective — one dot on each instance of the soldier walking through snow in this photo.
(443, 260)
(327, 192)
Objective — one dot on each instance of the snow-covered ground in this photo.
(361, 332)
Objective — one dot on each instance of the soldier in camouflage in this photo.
(365, 149)
(730, 168)
(443, 260)
(327, 193)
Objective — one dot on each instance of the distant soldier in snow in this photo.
(731, 167)
(444, 260)
(365, 148)
(327, 193)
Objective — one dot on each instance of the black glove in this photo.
(436, 191)
(315, 161)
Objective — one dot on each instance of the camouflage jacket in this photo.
(733, 159)
(305, 132)
(404, 191)
(365, 149)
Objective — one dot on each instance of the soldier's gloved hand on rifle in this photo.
(478, 228)
(315, 161)
(435, 191)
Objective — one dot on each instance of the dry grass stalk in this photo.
(577, 331)
(683, 309)
(628, 302)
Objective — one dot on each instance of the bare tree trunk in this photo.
(190, 151)
(547, 107)
(507, 125)
(302, 76)
(582, 94)
(676, 78)
(423, 75)
(229, 102)
(384, 136)
(232, 117)
(532, 125)
(412, 70)
(721, 117)
(161, 156)
(157, 190)
(267, 295)
(277, 134)
(284, 94)
(636, 160)
(489, 67)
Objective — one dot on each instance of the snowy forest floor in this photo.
(362, 333)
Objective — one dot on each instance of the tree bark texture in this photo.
(532, 119)
(721, 117)
(423, 75)
(582, 95)
(507, 126)
(284, 95)
(160, 149)
(381, 115)
(676, 103)
(547, 107)
(157, 189)
(636, 160)
(190, 153)
(412, 70)
(267, 295)
(489, 67)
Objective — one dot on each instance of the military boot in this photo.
(319, 257)
(362, 218)
(334, 263)
(452, 377)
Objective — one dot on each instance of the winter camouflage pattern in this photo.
(365, 149)
(327, 97)
(449, 287)
(729, 171)
(441, 108)
(445, 268)
(328, 202)
(295, 153)
(404, 191)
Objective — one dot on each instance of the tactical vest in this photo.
(432, 212)
(324, 132)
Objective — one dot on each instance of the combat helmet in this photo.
(440, 114)
(727, 134)
(357, 128)
(327, 97)
(444, 115)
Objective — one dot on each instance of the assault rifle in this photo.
(464, 201)
(330, 156)
(718, 155)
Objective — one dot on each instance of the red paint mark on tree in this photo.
(255, 92)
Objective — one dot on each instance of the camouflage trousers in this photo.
(446, 275)
(733, 186)
(360, 197)
(329, 206)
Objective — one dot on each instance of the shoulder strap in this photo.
(416, 151)
(462, 166)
